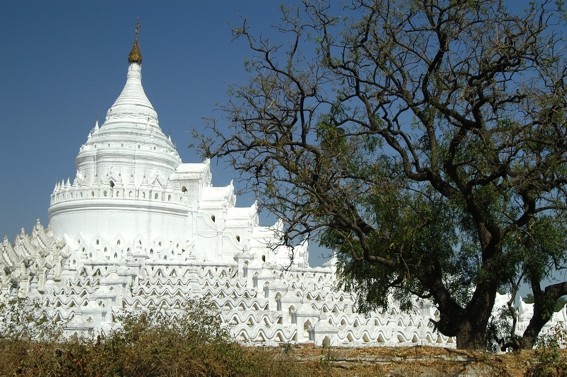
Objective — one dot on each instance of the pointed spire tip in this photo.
(135, 54)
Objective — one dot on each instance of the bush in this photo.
(26, 320)
(191, 342)
(157, 343)
(549, 360)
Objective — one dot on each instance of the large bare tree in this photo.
(425, 141)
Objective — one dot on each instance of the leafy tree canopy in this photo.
(422, 140)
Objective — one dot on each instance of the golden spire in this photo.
(135, 54)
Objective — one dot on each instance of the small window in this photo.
(111, 183)
(183, 189)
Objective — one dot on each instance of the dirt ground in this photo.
(409, 361)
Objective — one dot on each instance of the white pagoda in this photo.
(138, 229)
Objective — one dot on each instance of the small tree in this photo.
(423, 140)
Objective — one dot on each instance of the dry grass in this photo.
(195, 344)
(162, 354)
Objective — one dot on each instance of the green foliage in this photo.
(549, 360)
(543, 240)
(560, 304)
(529, 299)
(415, 230)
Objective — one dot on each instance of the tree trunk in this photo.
(544, 304)
(471, 336)
(531, 333)
(471, 332)
(468, 326)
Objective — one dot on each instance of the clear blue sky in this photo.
(63, 63)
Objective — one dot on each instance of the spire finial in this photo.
(137, 29)
(135, 54)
